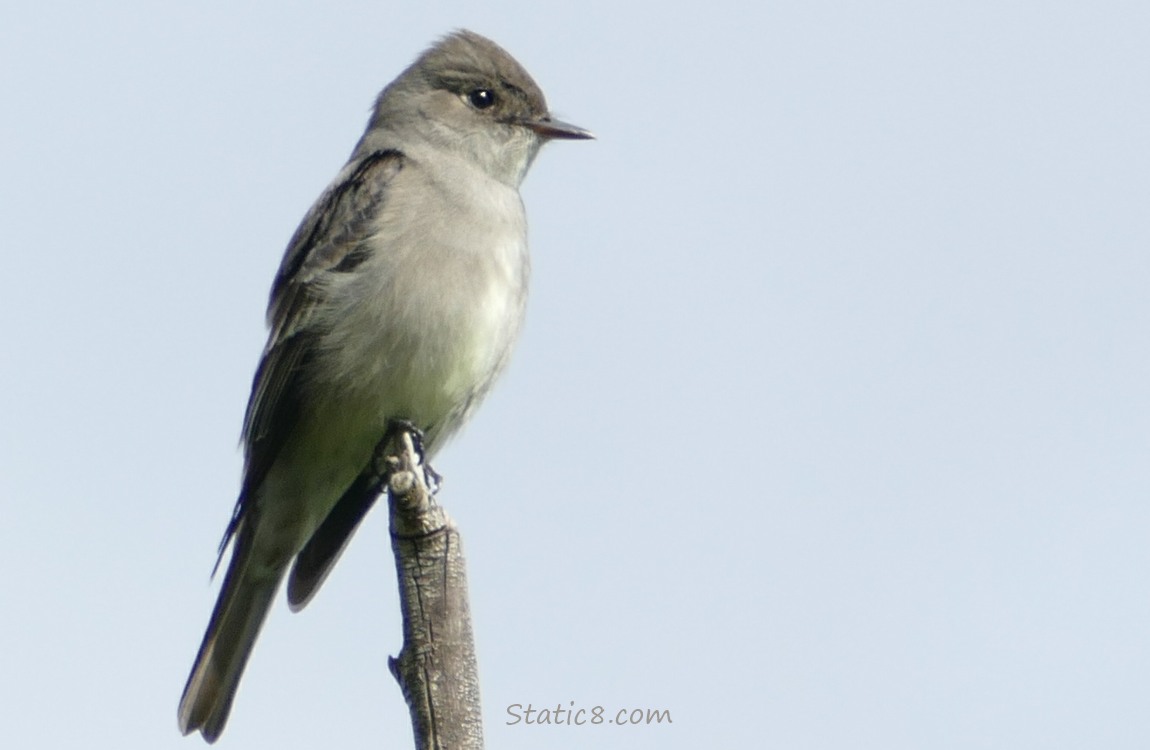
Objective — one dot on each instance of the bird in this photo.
(399, 297)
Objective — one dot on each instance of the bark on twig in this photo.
(436, 667)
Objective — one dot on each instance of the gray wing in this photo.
(315, 561)
(331, 239)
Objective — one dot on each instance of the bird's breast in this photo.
(422, 329)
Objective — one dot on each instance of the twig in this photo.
(436, 667)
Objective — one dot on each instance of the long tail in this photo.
(243, 604)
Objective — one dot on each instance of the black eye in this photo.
(481, 98)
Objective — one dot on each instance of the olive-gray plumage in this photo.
(400, 296)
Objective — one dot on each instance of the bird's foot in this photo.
(431, 477)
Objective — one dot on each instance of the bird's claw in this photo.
(431, 477)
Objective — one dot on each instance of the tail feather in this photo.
(242, 606)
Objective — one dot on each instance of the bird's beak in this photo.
(549, 128)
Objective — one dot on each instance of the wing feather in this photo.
(331, 239)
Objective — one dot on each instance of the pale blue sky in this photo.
(829, 427)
